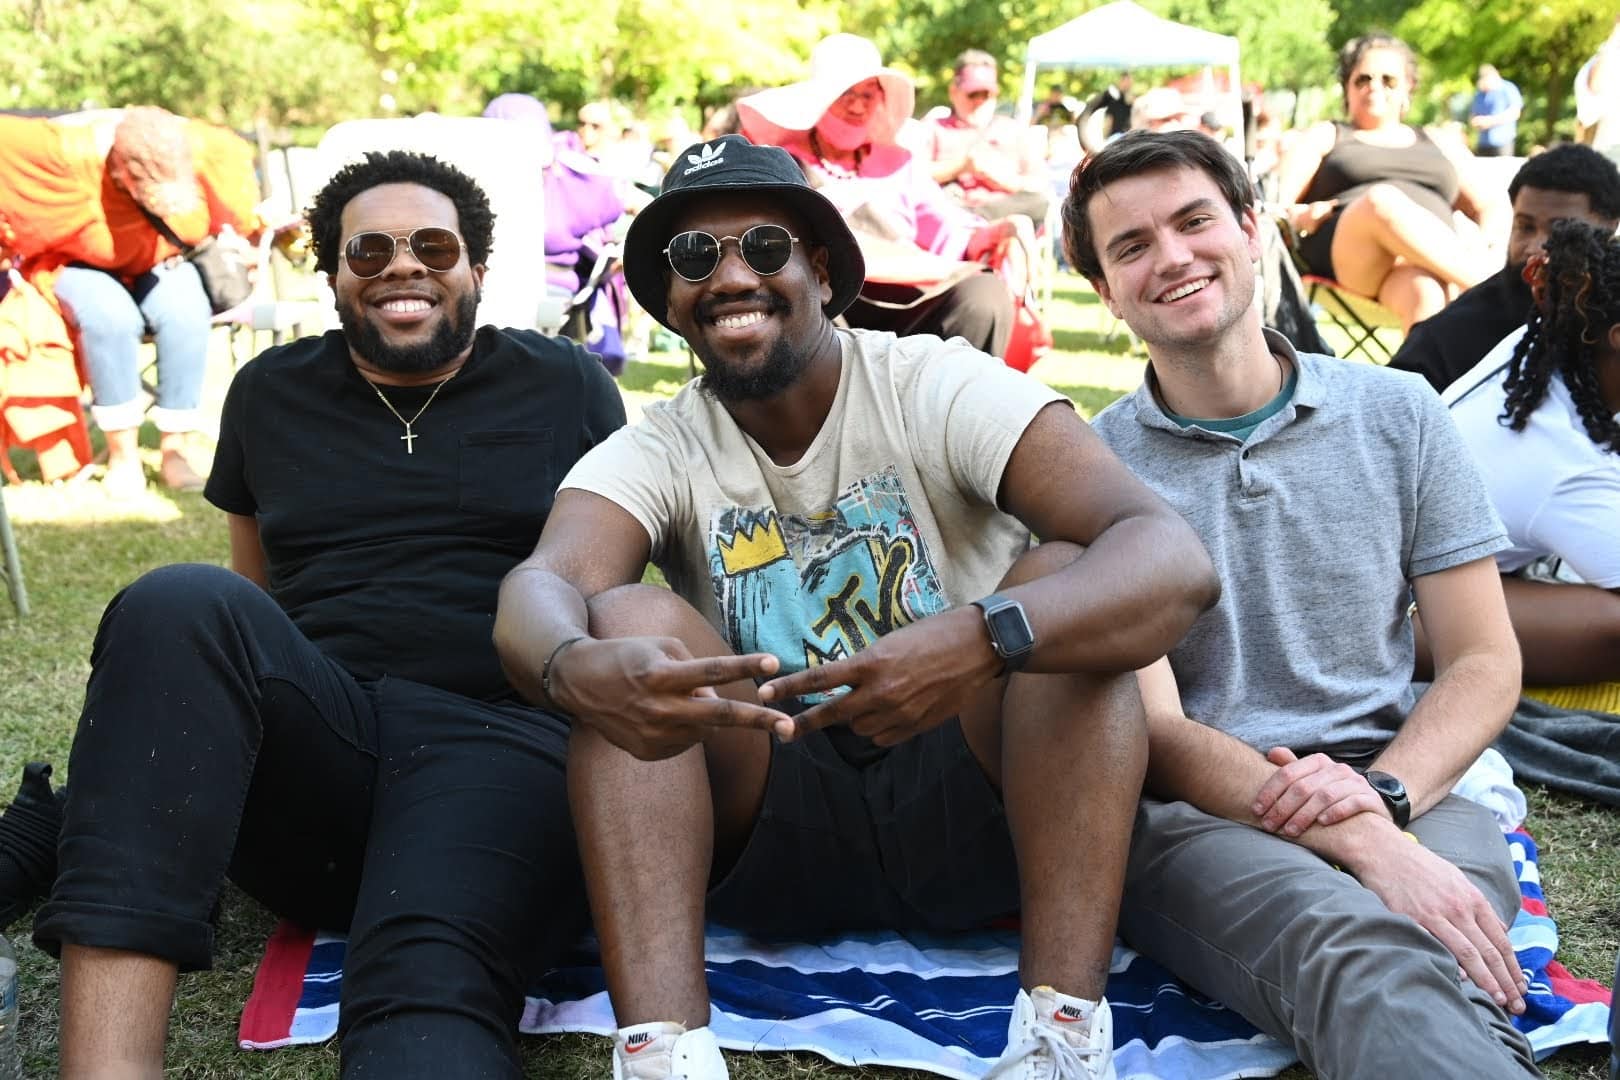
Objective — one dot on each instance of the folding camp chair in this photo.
(1361, 319)
(11, 571)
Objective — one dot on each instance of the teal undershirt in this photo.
(1241, 427)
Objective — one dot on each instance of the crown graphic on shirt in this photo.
(752, 545)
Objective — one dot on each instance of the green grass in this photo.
(78, 548)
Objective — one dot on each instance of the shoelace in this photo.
(1069, 1062)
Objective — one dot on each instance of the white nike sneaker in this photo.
(667, 1052)
(1057, 1037)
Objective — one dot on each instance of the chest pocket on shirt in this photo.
(507, 472)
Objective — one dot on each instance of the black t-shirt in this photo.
(1444, 346)
(390, 562)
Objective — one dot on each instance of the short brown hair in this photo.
(1139, 152)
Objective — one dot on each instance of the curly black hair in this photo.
(1581, 304)
(1576, 169)
(325, 215)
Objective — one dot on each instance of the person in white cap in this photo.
(922, 250)
(865, 701)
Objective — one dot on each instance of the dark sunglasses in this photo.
(765, 248)
(370, 253)
(1364, 80)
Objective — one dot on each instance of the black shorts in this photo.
(1317, 249)
(915, 839)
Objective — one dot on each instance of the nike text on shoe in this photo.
(1053, 1036)
(667, 1052)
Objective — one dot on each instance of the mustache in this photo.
(772, 303)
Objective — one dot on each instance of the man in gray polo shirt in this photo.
(1330, 495)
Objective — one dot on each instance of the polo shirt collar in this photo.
(1310, 390)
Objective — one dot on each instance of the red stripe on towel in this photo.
(277, 985)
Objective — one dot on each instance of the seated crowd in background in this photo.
(985, 160)
(100, 211)
(922, 250)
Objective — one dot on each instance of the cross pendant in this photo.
(409, 439)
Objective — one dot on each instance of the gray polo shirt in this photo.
(1317, 524)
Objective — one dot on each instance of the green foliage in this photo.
(1538, 44)
(220, 62)
(309, 63)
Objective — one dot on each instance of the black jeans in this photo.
(216, 739)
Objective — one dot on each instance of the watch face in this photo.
(1010, 630)
(1387, 785)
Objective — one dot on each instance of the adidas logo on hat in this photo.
(707, 156)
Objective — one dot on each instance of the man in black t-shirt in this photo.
(329, 725)
(1569, 181)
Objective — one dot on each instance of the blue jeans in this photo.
(168, 301)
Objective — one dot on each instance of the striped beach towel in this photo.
(938, 1004)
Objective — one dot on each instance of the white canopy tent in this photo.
(1123, 35)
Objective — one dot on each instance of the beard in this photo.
(450, 338)
(784, 362)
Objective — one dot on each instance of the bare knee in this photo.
(1041, 561)
(638, 611)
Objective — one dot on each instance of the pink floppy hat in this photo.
(838, 62)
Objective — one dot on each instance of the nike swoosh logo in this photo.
(638, 1047)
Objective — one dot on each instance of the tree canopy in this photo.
(313, 62)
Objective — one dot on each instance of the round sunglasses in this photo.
(370, 253)
(694, 255)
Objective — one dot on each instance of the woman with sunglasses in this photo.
(922, 251)
(1371, 200)
(1541, 414)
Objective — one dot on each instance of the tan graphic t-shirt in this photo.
(888, 517)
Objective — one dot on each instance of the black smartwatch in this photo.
(1393, 792)
(1010, 634)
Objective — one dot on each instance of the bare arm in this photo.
(1301, 156)
(590, 544)
(648, 695)
(1476, 682)
(1141, 581)
(1485, 204)
(1220, 775)
(1144, 576)
(247, 550)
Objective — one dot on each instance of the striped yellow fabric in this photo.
(1593, 697)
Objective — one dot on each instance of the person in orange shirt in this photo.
(75, 198)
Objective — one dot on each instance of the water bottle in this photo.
(10, 1053)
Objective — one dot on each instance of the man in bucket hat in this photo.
(923, 251)
(866, 700)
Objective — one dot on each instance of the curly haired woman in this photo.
(1540, 414)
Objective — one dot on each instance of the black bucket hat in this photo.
(733, 164)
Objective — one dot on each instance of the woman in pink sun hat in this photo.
(924, 274)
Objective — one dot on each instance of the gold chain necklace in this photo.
(410, 437)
